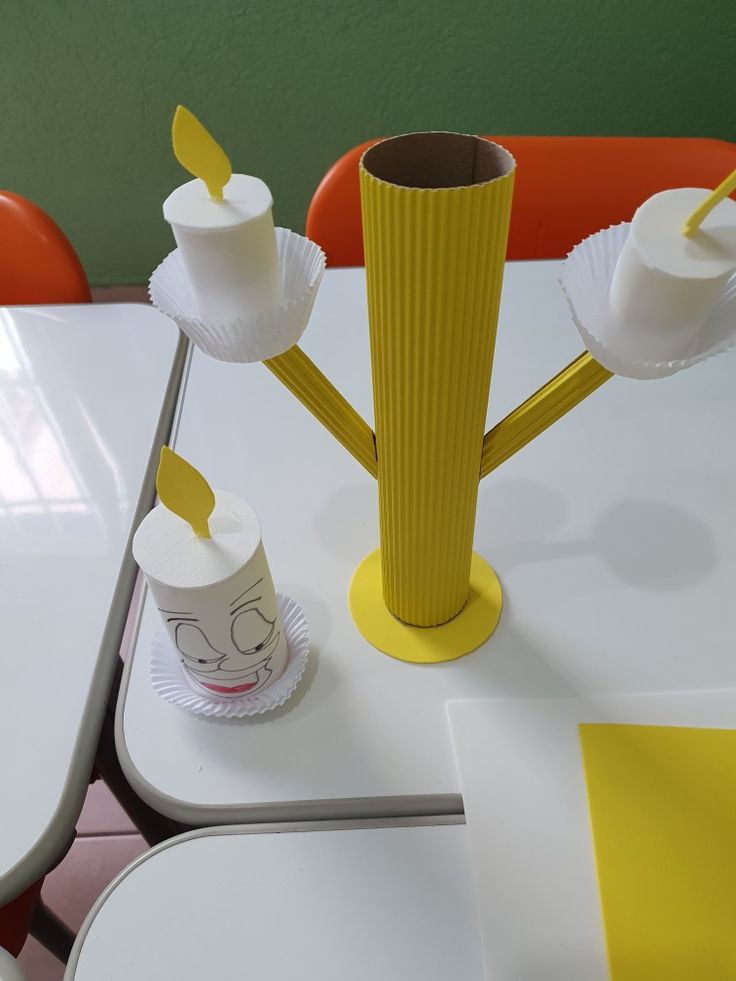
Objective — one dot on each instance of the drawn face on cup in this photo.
(234, 646)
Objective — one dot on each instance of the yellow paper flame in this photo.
(198, 153)
(185, 491)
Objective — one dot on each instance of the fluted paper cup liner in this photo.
(246, 339)
(169, 680)
(586, 280)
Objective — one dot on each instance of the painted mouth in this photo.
(254, 680)
(228, 689)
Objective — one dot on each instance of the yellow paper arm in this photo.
(185, 491)
(725, 188)
(574, 383)
(304, 379)
(198, 153)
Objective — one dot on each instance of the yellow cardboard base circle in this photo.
(425, 645)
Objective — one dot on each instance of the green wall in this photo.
(89, 86)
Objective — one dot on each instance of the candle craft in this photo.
(223, 227)
(667, 282)
(202, 554)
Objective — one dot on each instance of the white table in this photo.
(328, 903)
(614, 535)
(86, 395)
(9, 968)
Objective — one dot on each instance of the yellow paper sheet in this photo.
(663, 811)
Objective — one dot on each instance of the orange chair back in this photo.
(566, 188)
(37, 262)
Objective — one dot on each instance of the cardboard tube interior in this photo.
(437, 160)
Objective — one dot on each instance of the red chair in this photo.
(566, 188)
(37, 265)
(37, 261)
(15, 919)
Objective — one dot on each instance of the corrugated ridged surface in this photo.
(434, 264)
(548, 404)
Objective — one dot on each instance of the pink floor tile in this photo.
(71, 889)
(38, 964)
(102, 815)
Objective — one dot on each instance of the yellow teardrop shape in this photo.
(185, 491)
(198, 153)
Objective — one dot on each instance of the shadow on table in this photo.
(515, 663)
(646, 544)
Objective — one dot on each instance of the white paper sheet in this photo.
(523, 786)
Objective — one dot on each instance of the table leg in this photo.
(48, 929)
(154, 827)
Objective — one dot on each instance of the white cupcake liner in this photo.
(246, 339)
(586, 279)
(170, 682)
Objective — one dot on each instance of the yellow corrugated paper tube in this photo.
(436, 210)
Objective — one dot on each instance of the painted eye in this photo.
(251, 631)
(193, 644)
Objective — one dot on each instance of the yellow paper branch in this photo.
(715, 197)
(185, 491)
(198, 153)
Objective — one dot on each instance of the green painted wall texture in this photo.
(89, 86)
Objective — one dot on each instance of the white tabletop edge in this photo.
(51, 844)
(322, 810)
(273, 827)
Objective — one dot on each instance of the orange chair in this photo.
(37, 261)
(37, 265)
(566, 188)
